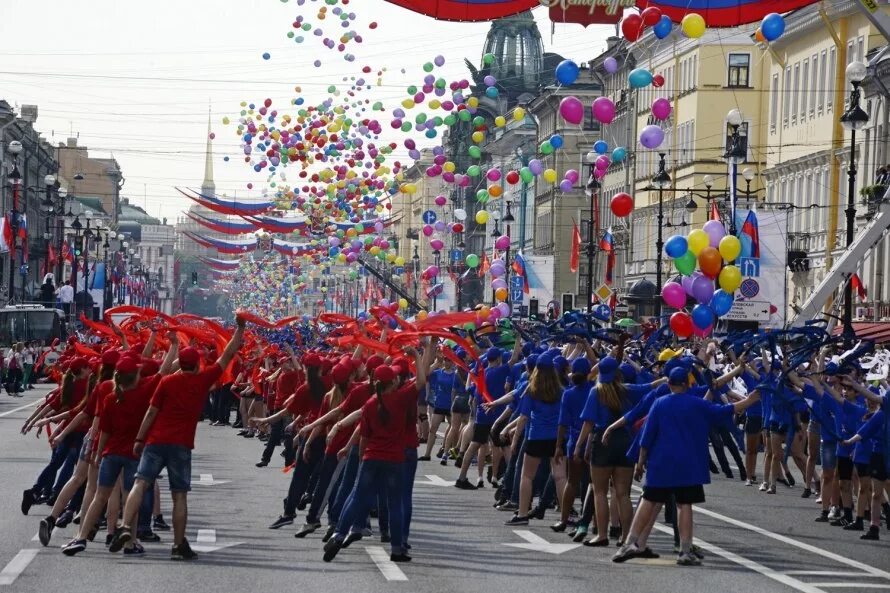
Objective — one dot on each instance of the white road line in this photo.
(854, 585)
(752, 565)
(827, 573)
(207, 536)
(389, 569)
(20, 408)
(36, 537)
(17, 565)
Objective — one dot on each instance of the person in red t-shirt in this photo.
(167, 436)
(286, 382)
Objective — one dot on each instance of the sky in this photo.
(136, 79)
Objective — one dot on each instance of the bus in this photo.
(27, 323)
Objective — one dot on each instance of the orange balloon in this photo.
(501, 294)
(758, 36)
(710, 260)
(495, 191)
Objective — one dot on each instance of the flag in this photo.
(607, 242)
(610, 267)
(715, 212)
(5, 235)
(859, 287)
(750, 236)
(518, 266)
(67, 252)
(575, 257)
(485, 265)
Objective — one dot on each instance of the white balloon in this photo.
(460, 214)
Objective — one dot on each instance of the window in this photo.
(823, 83)
(814, 84)
(773, 103)
(683, 68)
(542, 230)
(792, 94)
(694, 82)
(739, 66)
(829, 86)
(804, 89)
(860, 49)
(786, 93)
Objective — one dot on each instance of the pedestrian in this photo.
(66, 298)
(48, 292)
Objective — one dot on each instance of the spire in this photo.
(208, 188)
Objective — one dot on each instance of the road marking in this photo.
(17, 565)
(854, 585)
(36, 537)
(536, 543)
(752, 565)
(389, 569)
(207, 480)
(434, 481)
(20, 408)
(826, 573)
(207, 536)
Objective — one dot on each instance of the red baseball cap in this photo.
(111, 357)
(340, 374)
(373, 362)
(150, 367)
(127, 365)
(310, 359)
(189, 357)
(78, 364)
(385, 374)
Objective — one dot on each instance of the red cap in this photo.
(111, 357)
(78, 364)
(310, 359)
(385, 374)
(401, 361)
(373, 362)
(150, 367)
(340, 374)
(127, 365)
(189, 357)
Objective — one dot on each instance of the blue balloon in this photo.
(567, 72)
(491, 92)
(556, 141)
(639, 78)
(702, 316)
(772, 26)
(619, 154)
(663, 27)
(600, 147)
(721, 302)
(676, 246)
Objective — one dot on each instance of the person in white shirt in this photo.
(66, 296)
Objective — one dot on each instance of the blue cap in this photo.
(531, 361)
(460, 352)
(560, 362)
(527, 348)
(678, 376)
(494, 353)
(628, 372)
(672, 364)
(545, 361)
(607, 369)
(581, 366)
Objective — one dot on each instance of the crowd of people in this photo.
(560, 424)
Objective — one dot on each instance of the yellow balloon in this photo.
(730, 279)
(501, 294)
(400, 261)
(449, 167)
(693, 25)
(390, 258)
(375, 250)
(408, 103)
(403, 303)
(697, 240)
(549, 175)
(518, 114)
(500, 121)
(482, 217)
(473, 102)
(478, 137)
(435, 104)
(730, 248)
(421, 315)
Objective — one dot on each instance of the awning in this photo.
(879, 333)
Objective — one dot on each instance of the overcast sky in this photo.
(135, 79)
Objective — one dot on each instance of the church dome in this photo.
(518, 49)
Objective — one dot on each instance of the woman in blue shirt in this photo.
(871, 436)
(440, 386)
(570, 408)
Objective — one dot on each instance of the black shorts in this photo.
(497, 438)
(844, 468)
(878, 467)
(442, 411)
(863, 470)
(613, 454)
(460, 405)
(481, 433)
(779, 428)
(682, 494)
(753, 424)
(541, 448)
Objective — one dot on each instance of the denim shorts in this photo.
(111, 467)
(829, 455)
(176, 458)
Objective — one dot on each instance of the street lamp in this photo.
(593, 187)
(735, 155)
(748, 175)
(662, 181)
(854, 118)
(15, 180)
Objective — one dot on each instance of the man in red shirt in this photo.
(167, 437)
(289, 378)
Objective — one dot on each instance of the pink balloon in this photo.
(502, 242)
(437, 244)
(493, 175)
(715, 231)
(674, 296)
(599, 173)
(602, 162)
(604, 110)
(495, 314)
(572, 175)
(441, 200)
(427, 230)
(661, 108)
(701, 333)
(572, 110)
(431, 272)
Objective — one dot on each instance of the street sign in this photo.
(748, 311)
(604, 293)
(429, 217)
(516, 289)
(621, 311)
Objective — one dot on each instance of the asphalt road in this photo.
(752, 541)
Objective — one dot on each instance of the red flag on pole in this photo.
(715, 212)
(575, 257)
(485, 265)
(859, 287)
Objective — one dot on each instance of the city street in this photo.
(752, 542)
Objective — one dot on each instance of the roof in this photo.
(878, 332)
(129, 212)
(91, 203)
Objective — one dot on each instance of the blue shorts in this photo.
(111, 467)
(829, 455)
(176, 458)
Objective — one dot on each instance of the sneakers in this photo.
(158, 523)
(136, 550)
(74, 546)
(834, 513)
(480, 483)
(764, 487)
(749, 482)
(121, 538)
(444, 461)
(183, 551)
(352, 536)
(839, 522)
(855, 525)
(148, 536)
(423, 458)
(789, 479)
(806, 493)
(331, 548)
(262, 463)
(308, 528)
(46, 530)
(537, 513)
(281, 521)
(771, 489)
(516, 520)
(65, 519)
(688, 560)
(329, 533)
(464, 484)
(28, 500)
(509, 506)
(823, 518)
(400, 557)
(629, 551)
(305, 500)
(873, 533)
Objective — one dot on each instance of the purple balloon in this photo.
(536, 167)
(437, 244)
(571, 109)
(439, 225)
(661, 108)
(674, 296)
(604, 110)
(504, 308)
(651, 137)
(715, 231)
(565, 186)
(498, 283)
(489, 80)
(703, 289)
(687, 281)
(610, 65)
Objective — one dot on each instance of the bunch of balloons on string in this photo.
(703, 257)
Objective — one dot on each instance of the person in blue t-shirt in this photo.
(440, 385)
(570, 407)
(871, 437)
(460, 412)
(675, 456)
(851, 410)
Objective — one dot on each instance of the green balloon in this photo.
(474, 171)
(406, 126)
(526, 175)
(469, 326)
(546, 147)
(475, 152)
(685, 264)
(464, 115)
(488, 59)
(472, 260)
(450, 120)
(412, 90)
(438, 121)
(428, 67)
(420, 118)
(478, 121)
(482, 195)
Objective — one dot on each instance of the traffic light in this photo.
(78, 246)
(194, 278)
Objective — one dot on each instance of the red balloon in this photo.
(512, 177)
(622, 205)
(681, 324)
(632, 26)
(651, 15)
(658, 81)
(457, 227)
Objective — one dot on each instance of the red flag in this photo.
(859, 287)
(575, 257)
(715, 212)
(485, 265)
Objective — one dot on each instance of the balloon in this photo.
(652, 136)
(758, 36)
(639, 78)
(698, 240)
(622, 204)
(527, 175)
(504, 308)
(474, 152)
(556, 141)
(482, 217)
(675, 246)
(502, 243)
(546, 147)
(772, 26)
(730, 279)
(549, 175)
(702, 289)
(460, 214)
(715, 230)
(685, 264)
(431, 272)
(604, 110)
(565, 186)
(709, 261)
(610, 65)
(567, 72)
(658, 81)
(573, 175)
(687, 281)
(619, 153)
(403, 303)
(663, 27)
(441, 200)
(730, 248)
(602, 162)
(501, 294)
(572, 110)
(673, 294)
(472, 260)
(535, 166)
(681, 324)
(437, 244)
(661, 108)
(632, 26)
(651, 15)
(600, 147)
(693, 25)
(721, 302)
(702, 316)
